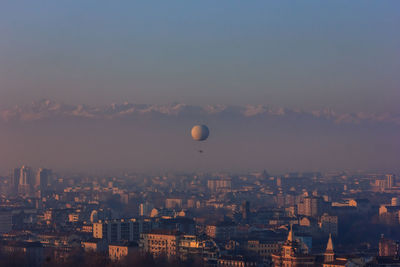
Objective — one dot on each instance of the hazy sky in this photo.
(300, 54)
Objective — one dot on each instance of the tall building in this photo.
(388, 247)
(389, 214)
(395, 201)
(145, 209)
(219, 184)
(14, 181)
(390, 180)
(26, 181)
(312, 206)
(120, 230)
(221, 230)
(42, 179)
(174, 243)
(172, 203)
(245, 210)
(160, 242)
(329, 224)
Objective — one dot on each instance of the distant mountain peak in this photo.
(46, 108)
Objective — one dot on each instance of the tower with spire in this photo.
(291, 253)
(330, 259)
(329, 255)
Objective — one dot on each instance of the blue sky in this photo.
(300, 54)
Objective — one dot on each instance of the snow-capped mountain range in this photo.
(47, 109)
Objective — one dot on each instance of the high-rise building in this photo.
(160, 242)
(221, 230)
(42, 179)
(219, 184)
(176, 244)
(120, 230)
(329, 224)
(389, 214)
(390, 181)
(395, 201)
(312, 206)
(245, 210)
(388, 247)
(172, 203)
(14, 181)
(26, 181)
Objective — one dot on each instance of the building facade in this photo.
(292, 254)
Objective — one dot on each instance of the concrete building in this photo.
(175, 243)
(95, 245)
(160, 242)
(312, 206)
(390, 181)
(145, 209)
(236, 261)
(389, 214)
(173, 203)
(215, 185)
(245, 210)
(73, 217)
(118, 251)
(221, 230)
(42, 180)
(26, 181)
(120, 230)
(329, 224)
(263, 248)
(192, 245)
(388, 247)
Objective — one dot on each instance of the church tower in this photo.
(291, 254)
(329, 255)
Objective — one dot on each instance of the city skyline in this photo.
(199, 134)
(198, 219)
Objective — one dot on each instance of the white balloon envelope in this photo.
(200, 132)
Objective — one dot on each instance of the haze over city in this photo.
(210, 133)
(157, 137)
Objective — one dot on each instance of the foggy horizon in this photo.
(146, 137)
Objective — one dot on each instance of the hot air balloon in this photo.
(200, 132)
